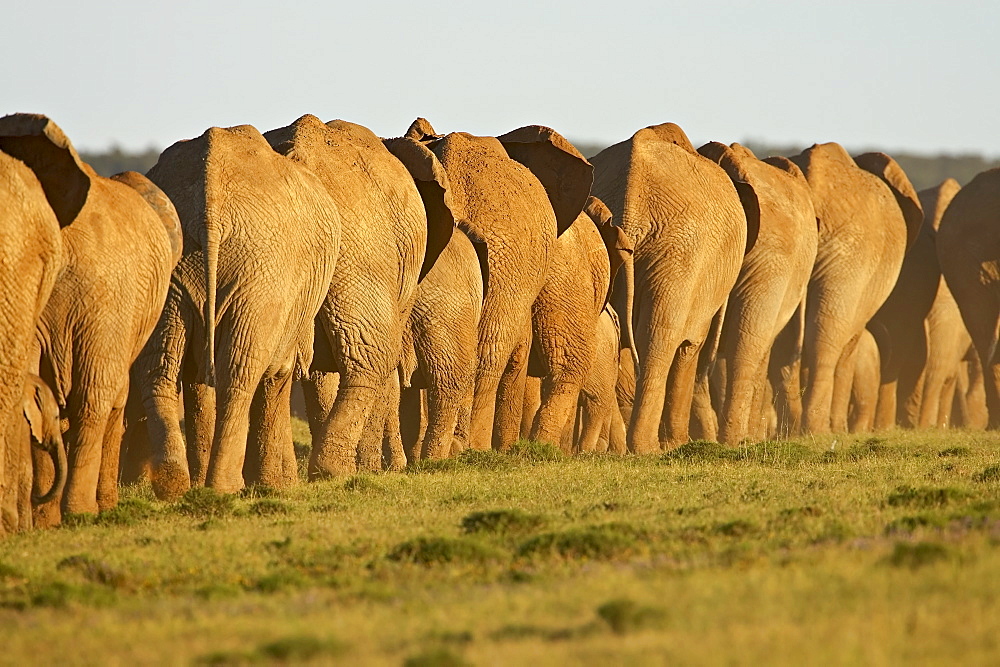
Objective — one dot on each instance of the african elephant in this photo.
(35, 447)
(585, 261)
(899, 325)
(690, 233)
(770, 288)
(928, 400)
(121, 240)
(387, 243)
(31, 256)
(517, 192)
(600, 424)
(441, 339)
(262, 238)
(968, 247)
(868, 216)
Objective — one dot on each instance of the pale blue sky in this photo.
(922, 76)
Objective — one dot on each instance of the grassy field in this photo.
(830, 550)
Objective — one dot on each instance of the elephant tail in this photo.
(710, 350)
(58, 453)
(210, 242)
(42, 415)
(628, 335)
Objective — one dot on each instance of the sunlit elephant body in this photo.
(121, 238)
(770, 289)
(30, 259)
(969, 252)
(863, 236)
(383, 245)
(684, 218)
(261, 243)
(516, 193)
(35, 447)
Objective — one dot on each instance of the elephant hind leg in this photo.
(335, 454)
(679, 396)
(270, 446)
(85, 440)
(107, 484)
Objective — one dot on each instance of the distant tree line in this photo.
(925, 171)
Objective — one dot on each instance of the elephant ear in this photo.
(906, 196)
(432, 183)
(421, 130)
(729, 160)
(563, 171)
(161, 204)
(616, 241)
(40, 144)
(786, 165)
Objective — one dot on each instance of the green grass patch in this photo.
(205, 503)
(909, 496)
(989, 474)
(918, 554)
(624, 615)
(441, 550)
(605, 541)
(501, 522)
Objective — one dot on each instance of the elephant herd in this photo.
(437, 292)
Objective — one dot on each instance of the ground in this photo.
(827, 550)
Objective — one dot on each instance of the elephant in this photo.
(969, 408)
(121, 239)
(31, 256)
(441, 337)
(684, 217)
(868, 216)
(35, 447)
(771, 286)
(579, 286)
(262, 237)
(387, 244)
(584, 263)
(516, 192)
(968, 248)
(926, 400)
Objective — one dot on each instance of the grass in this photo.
(840, 549)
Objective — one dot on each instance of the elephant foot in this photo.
(47, 516)
(226, 485)
(107, 498)
(331, 467)
(79, 506)
(170, 480)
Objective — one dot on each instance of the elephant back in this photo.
(934, 201)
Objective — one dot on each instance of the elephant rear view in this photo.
(121, 240)
(266, 234)
(868, 215)
(969, 252)
(30, 259)
(684, 217)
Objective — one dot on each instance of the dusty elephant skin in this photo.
(969, 253)
(116, 234)
(770, 290)
(585, 259)
(931, 399)
(385, 237)
(261, 243)
(687, 225)
(35, 461)
(30, 258)
(440, 340)
(867, 219)
(516, 193)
